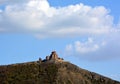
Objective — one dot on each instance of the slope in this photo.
(49, 73)
(52, 70)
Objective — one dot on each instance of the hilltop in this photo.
(51, 70)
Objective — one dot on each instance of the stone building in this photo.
(53, 57)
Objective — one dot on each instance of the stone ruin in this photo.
(53, 57)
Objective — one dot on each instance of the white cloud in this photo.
(96, 49)
(2, 1)
(37, 17)
(12, 1)
(42, 20)
(88, 46)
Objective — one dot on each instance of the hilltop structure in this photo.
(52, 58)
(51, 70)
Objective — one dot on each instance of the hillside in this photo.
(52, 70)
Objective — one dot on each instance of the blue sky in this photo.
(83, 32)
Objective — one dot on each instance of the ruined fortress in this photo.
(52, 58)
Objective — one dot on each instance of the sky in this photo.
(83, 32)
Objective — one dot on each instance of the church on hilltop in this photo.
(52, 58)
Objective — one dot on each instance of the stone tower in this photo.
(53, 56)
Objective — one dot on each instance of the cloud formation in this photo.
(96, 49)
(88, 46)
(42, 20)
(12, 1)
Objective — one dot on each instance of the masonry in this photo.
(52, 58)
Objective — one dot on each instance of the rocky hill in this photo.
(52, 70)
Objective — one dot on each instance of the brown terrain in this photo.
(52, 70)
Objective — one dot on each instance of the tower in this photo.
(53, 56)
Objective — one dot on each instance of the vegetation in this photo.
(49, 73)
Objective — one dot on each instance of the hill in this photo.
(52, 70)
